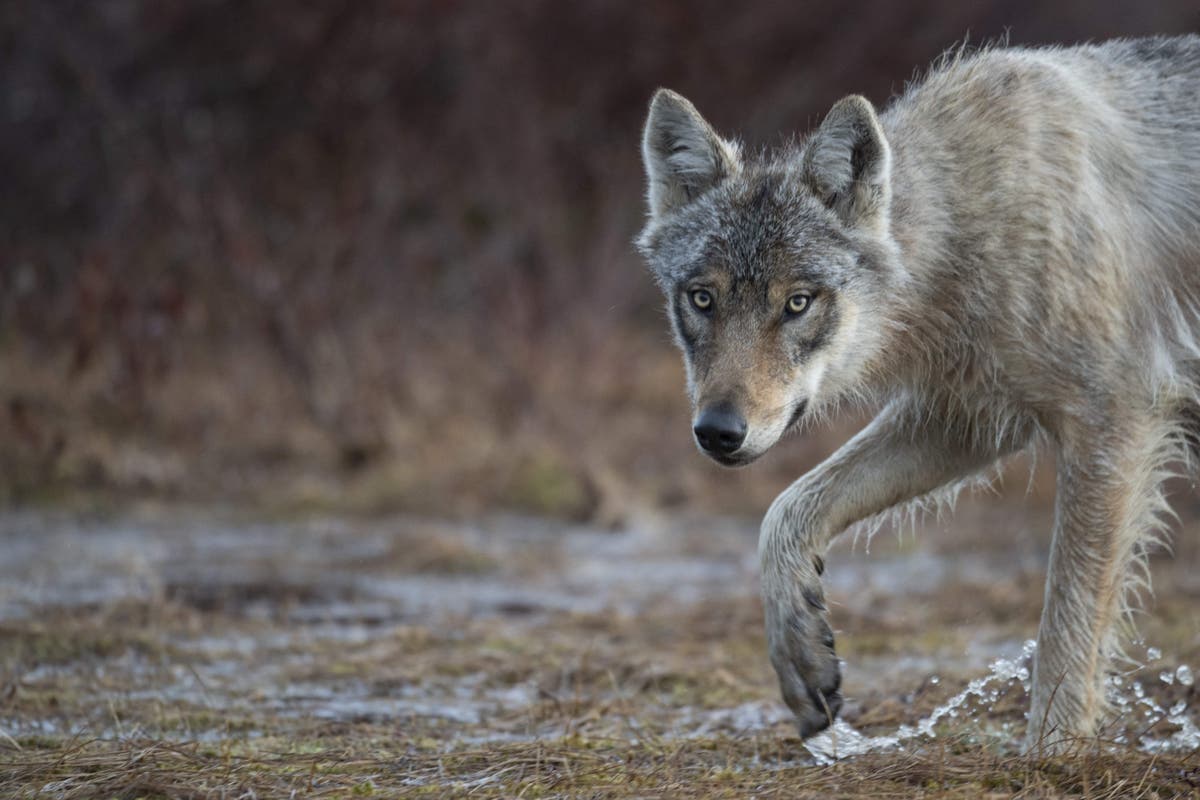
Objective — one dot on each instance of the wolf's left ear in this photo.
(683, 155)
(848, 164)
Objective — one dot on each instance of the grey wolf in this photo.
(1006, 257)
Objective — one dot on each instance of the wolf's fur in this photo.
(1008, 254)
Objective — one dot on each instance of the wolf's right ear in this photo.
(683, 155)
(848, 164)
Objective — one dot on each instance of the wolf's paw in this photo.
(801, 648)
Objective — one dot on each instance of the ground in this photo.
(161, 651)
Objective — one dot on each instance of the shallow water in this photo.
(1136, 711)
(843, 741)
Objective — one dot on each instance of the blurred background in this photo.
(375, 256)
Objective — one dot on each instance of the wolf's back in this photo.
(1040, 157)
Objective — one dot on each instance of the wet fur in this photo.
(1008, 254)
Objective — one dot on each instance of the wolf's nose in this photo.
(720, 429)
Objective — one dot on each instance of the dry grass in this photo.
(365, 762)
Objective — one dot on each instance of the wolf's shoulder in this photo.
(1170, 54)
(997, 80)
(1167, 55)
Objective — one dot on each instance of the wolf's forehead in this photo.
(760, 225)
(760, 229)
(755, 235)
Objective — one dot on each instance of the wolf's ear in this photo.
(683, 155)
(848, 164)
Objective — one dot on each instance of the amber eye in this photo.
(797, 303)
(701, 299)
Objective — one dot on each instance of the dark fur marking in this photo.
(806, 347)
(763, 193)
(796, 415)
(688, 341)
(1189, 416)
(813, 598)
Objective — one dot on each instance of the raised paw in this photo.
(800, 642)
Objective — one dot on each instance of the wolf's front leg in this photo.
(904, 453)
(1108, 495)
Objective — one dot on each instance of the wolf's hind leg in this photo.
(1108, 506)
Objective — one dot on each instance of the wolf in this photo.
(1005, 258)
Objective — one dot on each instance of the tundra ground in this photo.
(166, 652)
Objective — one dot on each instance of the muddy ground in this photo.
(173, 652)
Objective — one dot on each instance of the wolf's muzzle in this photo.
(720, 430)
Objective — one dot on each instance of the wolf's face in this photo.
(771, 269)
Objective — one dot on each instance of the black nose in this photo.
(720, 429)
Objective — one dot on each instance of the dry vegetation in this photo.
(362, 762)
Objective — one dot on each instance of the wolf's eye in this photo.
(797, 303)
(701, 299)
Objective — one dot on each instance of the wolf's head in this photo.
(776, 269)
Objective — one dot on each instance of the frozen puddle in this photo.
(339, 571)
(448, 629)
(335, 571)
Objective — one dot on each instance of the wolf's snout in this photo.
(720, 430)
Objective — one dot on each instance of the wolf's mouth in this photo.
(731, 460)
(796, 414)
